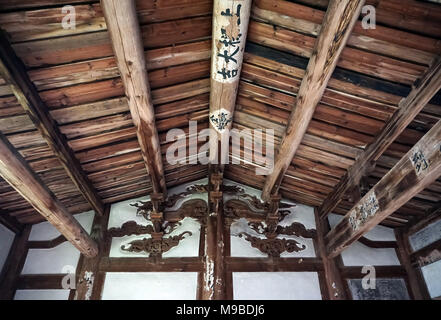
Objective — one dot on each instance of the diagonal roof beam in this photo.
(336, 28)
(125, 33)
(420, 167)
(14, 73)
(17, 172)
(407, 110)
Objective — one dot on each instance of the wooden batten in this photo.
(125, 33)
(230, 27)
(407, 110)
(16, 171)
(420, 167)
(336, 28)
(15, 75)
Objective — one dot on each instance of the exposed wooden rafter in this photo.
(336, 28)
(408, 109)
(16, 171)
(15, 75)
(416, 170)
(125, 33)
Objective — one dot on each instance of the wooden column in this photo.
(125, 33)
(408, 109)
(16, 171)
(214, 269)
(230, 26)
(14, 264)
(336, 28)
(90, 280)
(417, 286)
(420, 167)
(15, 75)
(334, 282)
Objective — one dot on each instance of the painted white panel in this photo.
(188, 247)
(150, 286)
(54, 260)
(432, 276)
(45, 231)
(425, 236)
(357, 254)
(58, 259)
(6, 240)
(122, 212)
(276, 286)
(42, 295)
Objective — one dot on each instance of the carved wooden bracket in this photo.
(274, 247)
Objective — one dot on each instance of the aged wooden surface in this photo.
(338, 23)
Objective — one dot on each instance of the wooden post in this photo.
(417, 287)
(230, 26)
(408, 109)
(336, 28)
(15, 75)
(334, 282)
(90, 280)
(16, 171)
(123, 26)
(420, 167)
(14, 264)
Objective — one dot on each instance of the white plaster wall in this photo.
(42, 295)
(150, 286)
(432, 276)
(357, 254)
(6, 240)
(59, 259)
(276, 286)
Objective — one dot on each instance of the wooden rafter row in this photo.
(407, 110)
(16, 171)
(125, 33)
(14, 73)
(336, 28)
(420, 167)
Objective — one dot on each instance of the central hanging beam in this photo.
(336, 28)
(123, 27)
(230, 27)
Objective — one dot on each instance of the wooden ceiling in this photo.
(77, 78)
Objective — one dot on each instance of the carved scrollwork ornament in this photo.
(274, 247)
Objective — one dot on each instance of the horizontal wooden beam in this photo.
(125, 33)
(14, 73)
(407, 110)
(336, 28)
(151, 265)
(420, 167)
(236, 264)
(17, 172)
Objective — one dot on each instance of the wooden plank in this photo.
(13, 71)
(420, 167)
(15, 170)
(409, 107)
(338, 22)
(150, 265)
(124, 30)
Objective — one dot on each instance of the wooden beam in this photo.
(407, 110)
(334, 282)
(125, 33)
(420, 167)
(10, 222)
(230, 26)
(14, 264)
(17, 172)
(14, 73)
(336, 28)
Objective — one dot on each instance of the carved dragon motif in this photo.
(274, 247)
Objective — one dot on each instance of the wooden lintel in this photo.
(336, 28)
(14, 73)
(125, 33)
(420, 167)
(408, 109)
